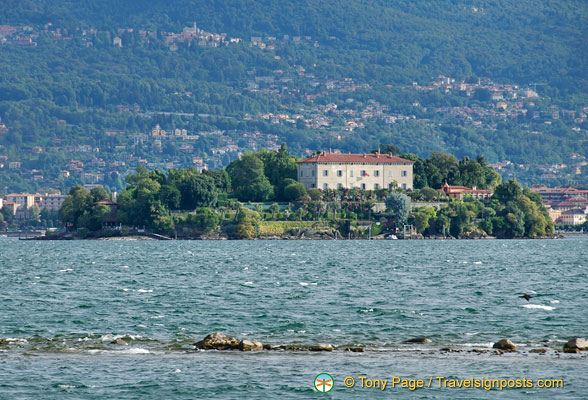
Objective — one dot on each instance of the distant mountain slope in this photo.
(85, 83)
(525, 41)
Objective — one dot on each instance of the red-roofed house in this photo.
(363, 171)
(459, 192)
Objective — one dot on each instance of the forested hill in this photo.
(90, 89)
(523, 41)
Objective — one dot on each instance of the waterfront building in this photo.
(363, 171)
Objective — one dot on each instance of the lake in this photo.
(64, 305)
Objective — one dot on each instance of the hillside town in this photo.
(336, 110)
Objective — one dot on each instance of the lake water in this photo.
(62, 304)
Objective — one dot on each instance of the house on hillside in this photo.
(460, 192)
(363, 171)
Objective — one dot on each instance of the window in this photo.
(339, 186)
(326, 172)
(301, 173)
(404, 186)
(312, 185)
(390, 186)
(363, 173)
(339, 173)
(390, 173)
(377, 173)
(313, 172)
(325, 185)
(351, 173)
(363, 186)
(376, 186)
(404, 173)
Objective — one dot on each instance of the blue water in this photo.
(62, 304)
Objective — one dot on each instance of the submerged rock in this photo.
(538, 351)
(218, 341)
(268, 346)
(418, 340)
(355, 349)
(505, 345)
(250, 345)
(322, 347)
(575, 345)
(120, 341)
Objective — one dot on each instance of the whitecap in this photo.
(158, 316)
(67, 386)
(66, 270)
(477, 262)
(472, 334)
(554, 301)
(249, 283)
(367, 310)
(136, 350)
(489, 345)
(308, 284)
(246, 268)
(125, 290)
(37, 277)
(15, 340)
(109, 337)
(124, 266)
(177, 371)
(145, 290)
(538, 307)
(303, 284)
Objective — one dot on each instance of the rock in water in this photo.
(120, 341)
(322, 347)
(538, 351)
(218, 341)
(418, 340)
(505, 345)
(575, 345)
(250, 345)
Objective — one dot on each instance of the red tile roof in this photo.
(355, 158)
(107, 202)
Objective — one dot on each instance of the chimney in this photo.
(364, 156)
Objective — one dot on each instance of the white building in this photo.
(363, 171)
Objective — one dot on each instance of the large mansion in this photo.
(363, 171)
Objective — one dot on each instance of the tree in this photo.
(248, 179)
(205, 219)
(294, 191)
(247, 223)
(508, 191)
(93, 217)
(78, 199)
(398, 205)
(274, 209)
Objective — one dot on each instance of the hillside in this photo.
(349, 75)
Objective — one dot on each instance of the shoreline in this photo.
(136, 237)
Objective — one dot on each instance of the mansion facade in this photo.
(362, 171)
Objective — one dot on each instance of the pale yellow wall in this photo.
(351, 175)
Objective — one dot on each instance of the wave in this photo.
(538, 307)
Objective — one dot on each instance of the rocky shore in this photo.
(222, 342)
